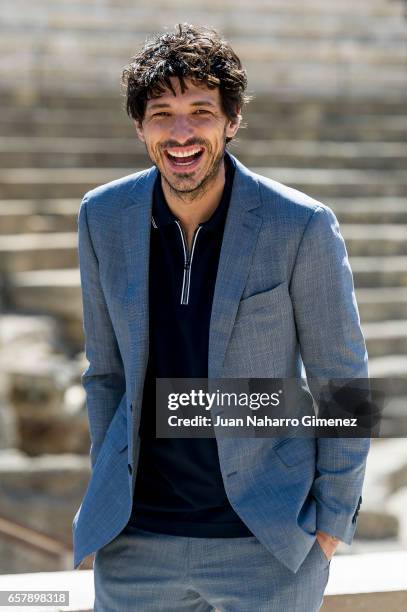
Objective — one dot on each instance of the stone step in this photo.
(261, 47)
(319, 183)
(42, 152)
(353, 80)
(381, 303)
(55, 183)
(364, 24)
(51, 486)
(55, 293)
(366, 5)
(330, 183)
(35, 216)
(51, 291)
(370, 210)
(373, 272)
(372, 7)
(386, 337)
(76, 122)
(372, 239)
(47, 404)
(21, 252)
(335, 128)
(388, 366)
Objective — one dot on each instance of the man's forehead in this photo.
(198, 94)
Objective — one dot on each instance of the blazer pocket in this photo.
(293, 451)
(264, 299)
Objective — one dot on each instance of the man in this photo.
(198, 267)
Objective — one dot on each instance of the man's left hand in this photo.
(328, 543)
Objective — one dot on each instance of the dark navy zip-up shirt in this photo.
(179, 488)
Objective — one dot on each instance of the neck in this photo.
(193, 209)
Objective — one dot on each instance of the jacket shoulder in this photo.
(292, 203)
(117, 190)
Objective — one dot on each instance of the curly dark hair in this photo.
(194, 52)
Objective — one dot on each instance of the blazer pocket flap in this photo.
(293, 451)
(264, 299)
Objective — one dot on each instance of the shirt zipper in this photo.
(186, 280)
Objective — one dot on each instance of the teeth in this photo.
(183, 154)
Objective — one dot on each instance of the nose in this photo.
(181, 128)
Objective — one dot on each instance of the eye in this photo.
(160, 114)
(201, 110)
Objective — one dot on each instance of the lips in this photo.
(184, 158)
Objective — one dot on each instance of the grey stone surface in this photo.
(388, 366)
(40, 493)
(324, 48)
(36, 251)
(8, 426)
(377, 525)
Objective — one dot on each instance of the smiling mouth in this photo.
(182, 159)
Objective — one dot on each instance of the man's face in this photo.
(185, 136)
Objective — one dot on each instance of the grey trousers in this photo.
(142, 571)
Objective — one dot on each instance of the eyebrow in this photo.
(197, 103)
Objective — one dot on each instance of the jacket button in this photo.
(131, 407)
(129, 468)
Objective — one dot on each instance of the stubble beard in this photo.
(197, 192)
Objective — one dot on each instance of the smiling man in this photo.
(185, 134)
(200, 268)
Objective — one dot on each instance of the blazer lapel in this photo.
(239, 239)
(136, 227)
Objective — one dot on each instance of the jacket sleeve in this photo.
(332, 346)
(104, 379)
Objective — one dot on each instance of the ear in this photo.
(233, 125)
(139, 130)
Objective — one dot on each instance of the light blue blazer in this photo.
(284, 298)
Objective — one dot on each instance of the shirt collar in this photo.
(162, 215)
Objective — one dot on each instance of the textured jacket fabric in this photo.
(284, 303)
